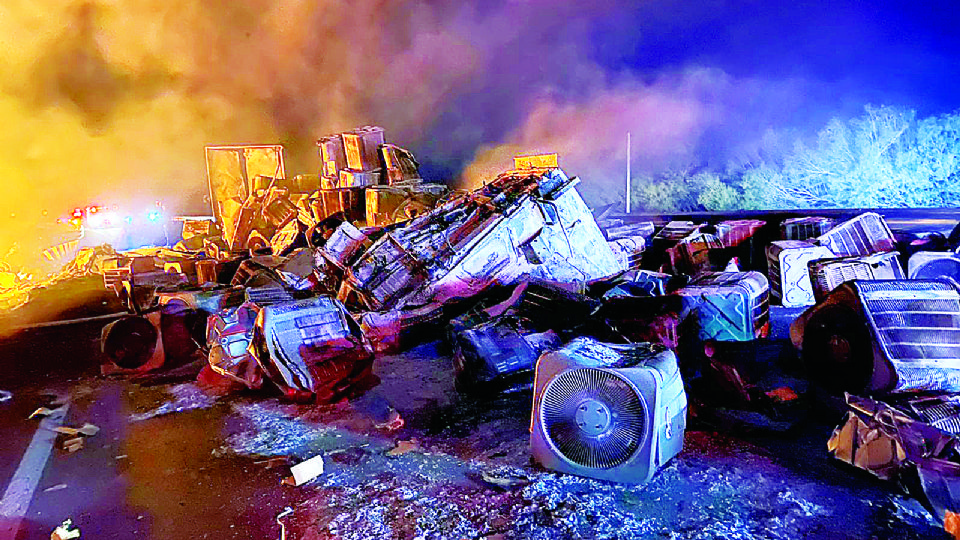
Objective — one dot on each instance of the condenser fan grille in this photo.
(593, 417)
(947, 267)
(914, 320)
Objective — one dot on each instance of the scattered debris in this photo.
(393, 422)
(87, 430)
(65, 531)
(889, 441)
(951, 524)
(404, 447)
(283, 528)
(782, 393)
(43, 412)
(506, 480)
(273, 462)
(72, 445)
(306, 471)
(186, 397)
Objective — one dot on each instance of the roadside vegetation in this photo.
(885, 158)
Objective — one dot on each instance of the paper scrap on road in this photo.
(307, 470)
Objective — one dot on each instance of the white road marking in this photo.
(16, 499)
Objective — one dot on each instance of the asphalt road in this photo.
(171, 462)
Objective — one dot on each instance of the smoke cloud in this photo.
(112, 101)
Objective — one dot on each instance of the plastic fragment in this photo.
(65, 531)
(42, 411)
(404, 447)
(88, 430)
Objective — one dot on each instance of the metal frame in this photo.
(280, 173)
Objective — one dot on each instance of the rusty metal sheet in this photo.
(231, 171)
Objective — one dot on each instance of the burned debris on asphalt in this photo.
(298, 284)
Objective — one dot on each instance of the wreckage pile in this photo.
(297, 286)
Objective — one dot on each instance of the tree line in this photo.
(884, 158)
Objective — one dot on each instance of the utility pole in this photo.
(627, 206)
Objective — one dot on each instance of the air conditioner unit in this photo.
(805, 227)
(934, 265)
(729, 306)
(827, 274)
(787, 271)
(884, 336)
(863, 235)
(628, 252)
(610, 412)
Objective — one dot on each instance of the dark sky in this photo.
(788, 66)
(898, 53)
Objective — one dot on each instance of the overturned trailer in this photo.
(524, 224)
(364, 258)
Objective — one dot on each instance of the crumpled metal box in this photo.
(362, 146)
(312, 345)
(734, 232)
(228, 337)
(326, 202)
(499, 354)
(391, 204)
(628, 251)
(729, 306)
(350, 178)
(805, 227)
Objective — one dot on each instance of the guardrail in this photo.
(941, 220)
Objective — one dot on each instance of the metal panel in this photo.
(917, 326)
(232, 169)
